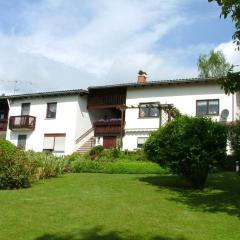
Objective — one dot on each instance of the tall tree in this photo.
(213, 65)
(231, 82)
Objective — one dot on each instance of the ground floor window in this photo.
(141, 141)
(207, 107)
(54, 143)
(22, 139)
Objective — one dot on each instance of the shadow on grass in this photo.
(97, 233)
(222, 192)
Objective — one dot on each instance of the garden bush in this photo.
(109, 155)
(46, 165)
(73, 157)
(234, 139)
(96, 151)
(189, 146)
(89, 166)
(113, 161)
(15, 169)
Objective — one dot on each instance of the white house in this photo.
(190, 96)
(138, 105)
(124, 114)
(50, 121)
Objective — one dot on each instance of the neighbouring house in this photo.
(121, 115)
(51, 121)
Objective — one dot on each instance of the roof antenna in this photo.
(16, 82)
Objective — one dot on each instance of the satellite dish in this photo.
(224, 115)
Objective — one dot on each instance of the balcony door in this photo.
(3, 122)
(109, 142)
(25, 111)
(2, 116)
(22, 139)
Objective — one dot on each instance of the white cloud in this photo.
(230, 51)
(74, 44)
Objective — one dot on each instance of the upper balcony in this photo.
(111, 127)
(106, 98)
(24, 122)
(3, 125)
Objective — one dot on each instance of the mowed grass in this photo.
(116, 207)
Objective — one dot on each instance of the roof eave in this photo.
(157, 83)
(49, 94)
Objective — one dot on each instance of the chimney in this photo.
(142, 77)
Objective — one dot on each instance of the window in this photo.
(141, 141)
(51, 110)
(54, 143)
(148, 110)
(2, 116)
(22, 141)
(208, 107)
(25, 109)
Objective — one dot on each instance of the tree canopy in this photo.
(231, 82)
(231, 8)
(213, 65)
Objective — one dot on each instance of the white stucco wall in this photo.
(83, 120)
(183, 97)
(71, 119)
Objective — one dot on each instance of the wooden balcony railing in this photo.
(22, 122)
(110, 127)
(3, 125)
(105, 101)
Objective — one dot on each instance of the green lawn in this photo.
(122, 207)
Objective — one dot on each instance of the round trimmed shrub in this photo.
(15, 169)
(189, 146)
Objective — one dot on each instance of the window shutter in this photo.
(48, 143)
(59, 144)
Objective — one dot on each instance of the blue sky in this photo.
(59, 44)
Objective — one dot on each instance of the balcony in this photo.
(111, 127)
(25, 122)
(3, 125)
(106, 98)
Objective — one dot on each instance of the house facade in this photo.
(50, 122)
(142, 111)
(122, 115)
(198, 97)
